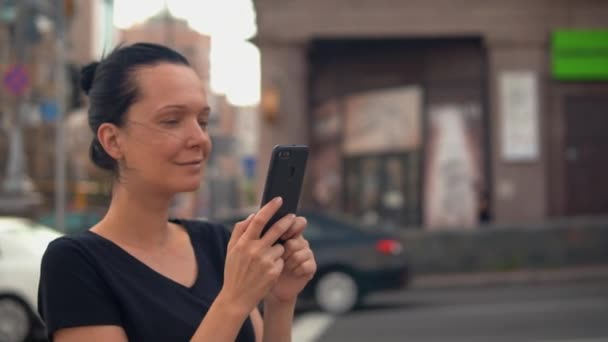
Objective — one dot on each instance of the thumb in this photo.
(238, 230)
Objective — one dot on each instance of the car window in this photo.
(319, 229)
(313, 231)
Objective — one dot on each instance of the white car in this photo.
(22, 244)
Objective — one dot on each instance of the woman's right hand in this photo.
(253, 263)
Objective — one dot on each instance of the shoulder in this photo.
(71, 283)
(69, 251)
(63, 247)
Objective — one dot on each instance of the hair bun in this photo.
(87, 75)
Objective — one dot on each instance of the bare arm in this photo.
(91, 333)
(222, 322)
(258, 324)
(253, 264)
(278, 319)
(279, 304)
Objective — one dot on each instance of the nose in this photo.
(197, 136)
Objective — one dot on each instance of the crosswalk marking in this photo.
(309, 327)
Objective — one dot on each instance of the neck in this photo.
(138, 218)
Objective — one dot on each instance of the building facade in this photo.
(441, 114)
(175, 33)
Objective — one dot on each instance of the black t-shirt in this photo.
(88, 280)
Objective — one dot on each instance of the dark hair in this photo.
(111, 87)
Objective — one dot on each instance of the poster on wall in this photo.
(453, 171)
(327, 122)
(380, 121)
(326, 159)
(327, 172)
(519, 115)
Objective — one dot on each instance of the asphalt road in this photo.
(574, 312)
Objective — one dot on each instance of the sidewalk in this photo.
(537, 276)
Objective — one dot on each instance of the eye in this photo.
(203, 123)
(170, 122)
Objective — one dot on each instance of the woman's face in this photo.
(165, 140)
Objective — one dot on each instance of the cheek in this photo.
(164, 149)
(152, 156)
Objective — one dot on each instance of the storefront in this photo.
(579, 121)
(397, 130)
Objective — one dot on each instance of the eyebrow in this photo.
(206, 109)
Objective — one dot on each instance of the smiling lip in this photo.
(194, 162)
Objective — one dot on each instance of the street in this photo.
(567, 313)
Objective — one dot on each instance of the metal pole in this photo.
(167, 25)
(16, 180)
(60, 152)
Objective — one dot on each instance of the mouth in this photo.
(190, 163)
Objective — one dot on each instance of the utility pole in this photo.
(18, 195)
(60, 152)
(169, 26)
(14, 182)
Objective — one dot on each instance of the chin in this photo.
(188, 187)
(181, 181)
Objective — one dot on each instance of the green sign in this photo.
(580, 55)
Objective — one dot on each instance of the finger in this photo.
(240, 228)
(278, 229)
(276, 252)
(277, 268)
(262, 217)
(298, 258)
(293, 245)
(295, 230)
(306, 269)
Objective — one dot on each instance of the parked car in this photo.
(22, 244)
(351, 262)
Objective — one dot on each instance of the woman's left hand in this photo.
(300, 265)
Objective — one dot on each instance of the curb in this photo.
(521, 277)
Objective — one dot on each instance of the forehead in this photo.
(169, 84)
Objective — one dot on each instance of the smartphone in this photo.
(284, 178)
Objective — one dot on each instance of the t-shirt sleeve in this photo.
(71, 292)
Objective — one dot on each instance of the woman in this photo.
(139, 276)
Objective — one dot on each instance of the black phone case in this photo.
(284, 178)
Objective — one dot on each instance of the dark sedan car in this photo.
(352, 262)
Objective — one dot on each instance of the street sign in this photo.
(16, 80)
(49, 111)
(579, 55)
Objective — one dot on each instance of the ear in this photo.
(109, 137)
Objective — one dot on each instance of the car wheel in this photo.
(15, 320)
(337, 292)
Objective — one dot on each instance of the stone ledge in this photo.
(551, 244)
